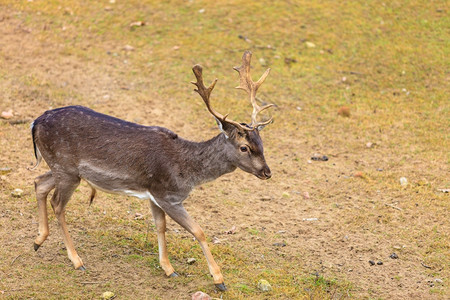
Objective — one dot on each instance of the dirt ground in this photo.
(310, 231)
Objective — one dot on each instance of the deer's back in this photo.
(103, 149)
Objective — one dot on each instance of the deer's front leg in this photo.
(179, 214)
(160, 221)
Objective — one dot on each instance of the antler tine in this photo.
(205, 94)
(247, 84)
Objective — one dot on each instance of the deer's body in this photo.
(147, 162)
(123, 157)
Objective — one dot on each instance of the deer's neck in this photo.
(208, 160)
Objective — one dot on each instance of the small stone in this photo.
(7, 114)
(137, 24)
(444, 190)
(286, 195)
(264, 285)
(393, 256)
(371, 262)
(231, 231)
(438, 280)
(403, 181)
(138, 216)
(191, 260)
(262, 61)
(359, 175)
(201, 296)
(310, 219)
(318, 157)
(17, 193)
(282, 244)
(128, 48)
(310, 45)
(201, 10)
(344, 111)
(379, 263)
(369, 145)
(108, 295)
(306, 195)
(397, 247)
(265, 198)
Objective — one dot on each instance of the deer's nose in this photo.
(267, 173)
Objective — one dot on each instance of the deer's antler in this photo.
(251, 87)
(206, 92)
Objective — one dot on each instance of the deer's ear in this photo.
(229, 129)
(261, 127)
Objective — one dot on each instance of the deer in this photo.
(147, 162)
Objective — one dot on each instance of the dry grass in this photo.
(386, 61)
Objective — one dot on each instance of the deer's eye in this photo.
(243, 148)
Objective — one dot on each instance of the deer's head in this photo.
(244, 144)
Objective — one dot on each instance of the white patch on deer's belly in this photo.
(144, 195)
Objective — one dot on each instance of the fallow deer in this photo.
(146, 162)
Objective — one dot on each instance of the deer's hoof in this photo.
(174, 274)
(36, 246)
(82, 268)
(221, 286)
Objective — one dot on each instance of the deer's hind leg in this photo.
(43, 185)
(159, 217)
(65, 186)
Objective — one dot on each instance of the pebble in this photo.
(344, 111)
(191, 260)
(282, 244)
(128, 48)
(286, 195)
(264, 285)
(310, 219)
(379, 263)
(318, 157)
(306, 195)
(393, 256)
(265, 198)
(371, 262)
(359, 175)
(201, 296)
(310, 45)
(7, 114)
(438, 280)
(108, 295)
(403, 181)
(17, 193)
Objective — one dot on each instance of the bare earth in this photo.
(313, 219)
